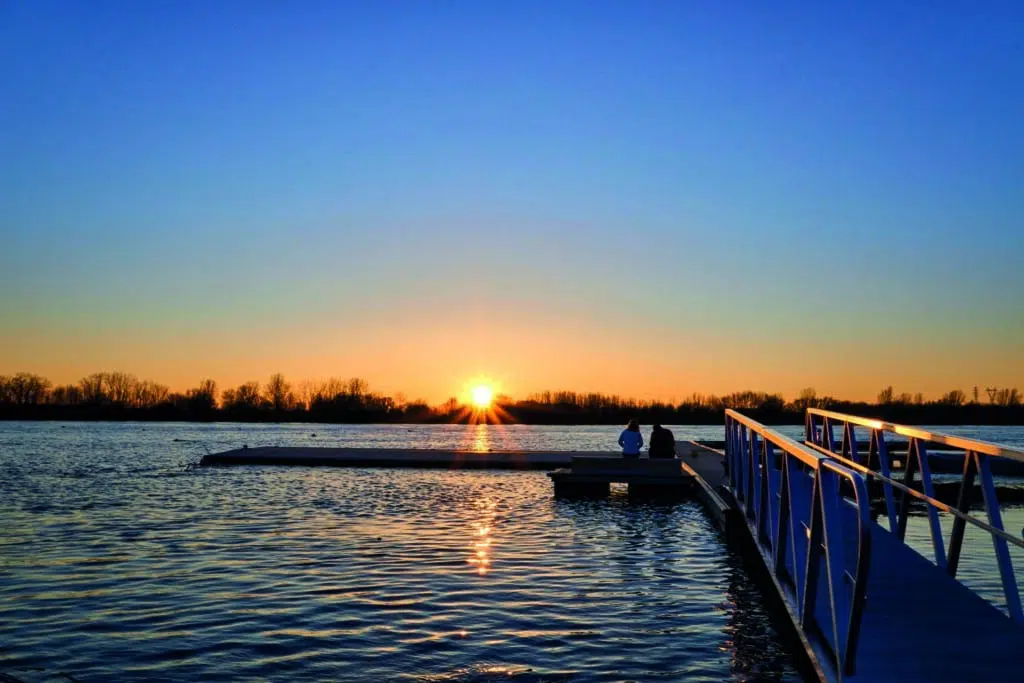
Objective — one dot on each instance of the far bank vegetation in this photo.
(123, 396)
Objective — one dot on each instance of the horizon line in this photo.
(307, 389)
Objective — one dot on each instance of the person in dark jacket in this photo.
(663, 443)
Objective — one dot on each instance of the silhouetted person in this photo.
(631, 440)
(663, 443)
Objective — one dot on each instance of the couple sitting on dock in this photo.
(663, 443)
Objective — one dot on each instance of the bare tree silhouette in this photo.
(120, 395)
(279, 393)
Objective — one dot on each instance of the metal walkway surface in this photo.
(920, 624)
(865, 605)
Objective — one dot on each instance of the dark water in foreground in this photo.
(117, 564)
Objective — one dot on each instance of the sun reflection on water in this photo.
(480, 439)
(482, 542)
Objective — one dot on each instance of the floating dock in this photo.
(413, 457)
(590, 476)
(393, 457)
(697, 471)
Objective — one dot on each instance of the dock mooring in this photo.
(593, 474)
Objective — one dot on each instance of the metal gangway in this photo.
(865, 604)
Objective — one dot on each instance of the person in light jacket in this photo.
(631, 440)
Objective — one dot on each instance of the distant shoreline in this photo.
(980, 415)
(120, 397)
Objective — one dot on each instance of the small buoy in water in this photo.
(244, 446)
(313, 434)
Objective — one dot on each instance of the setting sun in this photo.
(478, 403)
(482, 396)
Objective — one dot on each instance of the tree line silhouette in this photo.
(122, 396)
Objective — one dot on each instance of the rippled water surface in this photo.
(117, 564)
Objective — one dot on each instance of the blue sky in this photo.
(731, 182)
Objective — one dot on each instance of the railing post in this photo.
(963, 504)
(909, 467)
(858, 590)
(797, 535)
(773, 479)
(850, 442)
(835, 564)
(730, 451)
(754, 485)
(813, 558)
(918, 449)
(783, 539)
(735, 474)
(995, 518)
(827, 436)
(741, 464)
(885, 465)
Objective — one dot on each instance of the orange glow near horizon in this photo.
(526, 353)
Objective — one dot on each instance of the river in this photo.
(119, 562)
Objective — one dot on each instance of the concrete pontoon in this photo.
(392, 457)
(411, 457)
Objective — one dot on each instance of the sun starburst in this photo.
(482, 396)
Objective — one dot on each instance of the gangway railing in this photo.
(809, 516)
(876, 464)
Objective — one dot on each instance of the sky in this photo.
(643, 198)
